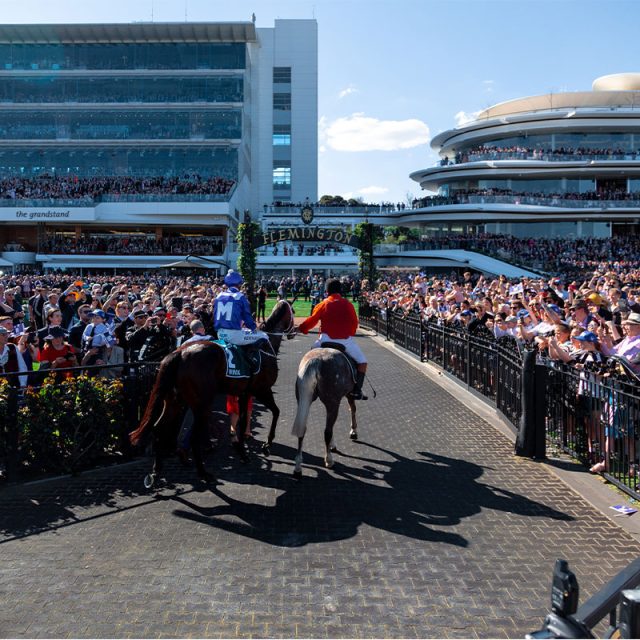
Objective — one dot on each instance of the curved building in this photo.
(565, 164)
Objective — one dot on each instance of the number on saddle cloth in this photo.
(340, 347)
(242, 361)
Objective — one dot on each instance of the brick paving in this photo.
(426, 527)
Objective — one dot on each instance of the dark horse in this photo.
(327, 374)
(193, 375)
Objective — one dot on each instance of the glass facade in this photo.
(605, 141)
(163, 89)
(161, 55)
(120, 125)
(121, 82)
(119, 161)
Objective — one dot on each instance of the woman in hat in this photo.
(232, 314)
(58, 353)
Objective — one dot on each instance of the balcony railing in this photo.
(541, 157)
(537, 201)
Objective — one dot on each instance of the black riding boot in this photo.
(357, 394)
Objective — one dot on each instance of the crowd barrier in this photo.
(66, 424)
(591, 415)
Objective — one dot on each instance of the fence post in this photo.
(12, 435)
(423, 341)
(541, 402)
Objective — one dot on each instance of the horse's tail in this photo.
(306, 385)
(162, 387)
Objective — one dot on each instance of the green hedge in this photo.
(66, 425)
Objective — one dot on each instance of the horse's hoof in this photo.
(149, 480)
(328, 464)
(266, 449)
(334, 449)
(297, 474)
(353, 435)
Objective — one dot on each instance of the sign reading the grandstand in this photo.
(306, 234)
(75, 214)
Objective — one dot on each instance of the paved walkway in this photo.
(426, 527)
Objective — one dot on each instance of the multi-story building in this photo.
(563, 164)
(131, 145)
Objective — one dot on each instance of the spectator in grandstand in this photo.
(137, 334)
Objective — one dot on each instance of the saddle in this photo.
(340, 347)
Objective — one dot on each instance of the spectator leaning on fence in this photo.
(627, 348)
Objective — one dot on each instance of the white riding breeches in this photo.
(241, 336)
(350, 346)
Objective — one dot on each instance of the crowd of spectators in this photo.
(326, 249)
(338, 204)
(132, 245)
(50, 187)
(58, 322)
(571, 257)
(466, 196)
(580, 324)
(518, 152)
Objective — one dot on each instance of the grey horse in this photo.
(323, 373)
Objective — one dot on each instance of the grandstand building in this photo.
(562, 164)
(130, 146)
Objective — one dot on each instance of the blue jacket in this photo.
(231, 309)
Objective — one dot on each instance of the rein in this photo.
(290, 330)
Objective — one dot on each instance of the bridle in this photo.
(290, 331)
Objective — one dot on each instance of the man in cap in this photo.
(232, 317)
(580, 315)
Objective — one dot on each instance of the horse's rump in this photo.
(323, 373)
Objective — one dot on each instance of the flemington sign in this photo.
(306, 234)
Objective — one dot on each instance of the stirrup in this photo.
(358, 395)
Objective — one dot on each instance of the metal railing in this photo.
(590, 415)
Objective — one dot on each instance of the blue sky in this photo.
(393, 73)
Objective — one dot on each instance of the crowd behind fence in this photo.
(587, 414)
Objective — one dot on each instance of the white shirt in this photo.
(22, 365)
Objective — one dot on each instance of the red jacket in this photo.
(337, 317)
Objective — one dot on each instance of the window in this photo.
(282, 102)
(281, 75)
(280, 139)
(281, 174)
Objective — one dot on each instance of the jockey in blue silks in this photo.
(232, 317)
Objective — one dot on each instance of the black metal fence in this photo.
(31, 405)
(590, 415)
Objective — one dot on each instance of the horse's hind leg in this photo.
(269, 402)
(151, 478)
(353, 434)
(200, 425)
(297, 470)
(332, 416)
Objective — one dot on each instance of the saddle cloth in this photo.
(240, 363)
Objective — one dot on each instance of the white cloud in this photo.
(373, 190)
(347, 92)
(462, 117)
(361, 133)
